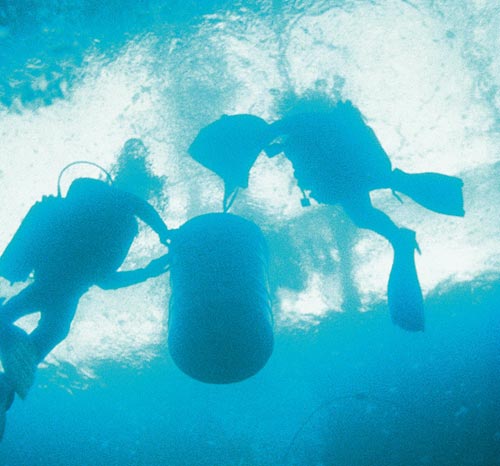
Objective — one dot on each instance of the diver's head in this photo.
(133, 173)
(134, 149)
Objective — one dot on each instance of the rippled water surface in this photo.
(78, 78)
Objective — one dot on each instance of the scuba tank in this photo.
(220, 325)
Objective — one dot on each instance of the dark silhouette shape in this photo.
(330, 405)
(220, 323)
(337, 157)
(133, 171)
(229, 147)
(69, 244)
(361, 396)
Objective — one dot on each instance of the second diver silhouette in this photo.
(69, 244)
(338, 158)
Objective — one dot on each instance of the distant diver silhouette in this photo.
(338, 158)
(360, 396)
(69, 244)
(330, 405)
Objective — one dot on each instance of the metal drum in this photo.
(220, 320)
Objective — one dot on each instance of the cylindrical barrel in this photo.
(220, 326)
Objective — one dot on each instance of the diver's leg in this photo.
(22, 353)
(404, 294)
(53, 327)
(364, 215)
(24, 303)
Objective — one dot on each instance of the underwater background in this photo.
(78, 78)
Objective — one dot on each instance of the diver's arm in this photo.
(126, 278)
(147, 213)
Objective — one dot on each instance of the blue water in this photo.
(343, 387)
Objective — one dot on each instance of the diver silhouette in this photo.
(337, 157)
(68, 244)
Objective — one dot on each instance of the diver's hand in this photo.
(166, 237)
(272, 150)
(158, 266)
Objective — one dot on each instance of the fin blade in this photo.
(434, 191)
(404, 294)
(18, 356)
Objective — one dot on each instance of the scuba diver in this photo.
(67, 244)
(338, 159)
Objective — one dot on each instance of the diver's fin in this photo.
(19, 360)
(404, 295)
(435, 191)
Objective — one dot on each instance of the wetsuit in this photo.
(337, 156)
(81, 242)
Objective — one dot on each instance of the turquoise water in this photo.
(343, 387)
